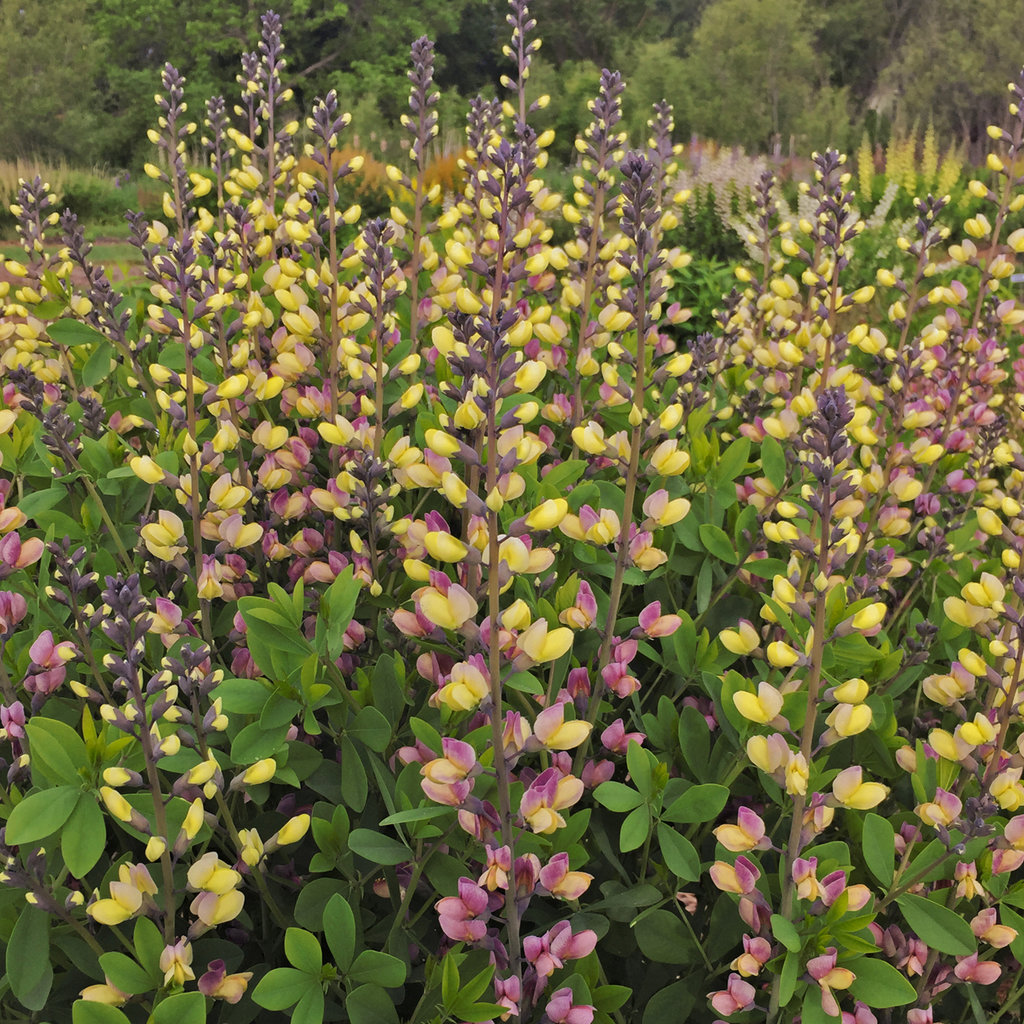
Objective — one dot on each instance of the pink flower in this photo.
(507, 993)
(756, 953)
(617, 740)
(581, 614)
(985, 927)
(556, 877)
(984, 972)
(13, 608)
(459, 916)
(17, 555)
(596, 772)
(448, 779)
(560, 1009)
(47, 666)
(527, 872)
(824, 971)
(548, 952)
(499, 864)
(806, 879)
(747, 834)
(833, 885)
(654, 624)
(862, 1015)
(549, 794)
(12, 718)
(217, 984)
(736, 997)
(740, 877)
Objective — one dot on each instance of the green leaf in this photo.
(879, 984)
(99, 364)
(773, 461)
(680, 855)
(125, 973)
(787, 980)
(183, 1008)
(354, 786)
(784, 930)
(337, 606)
(937, 926)
(310, 1009)
(717, 542)
(243, 696)
(662, 937)
(283, 987)
(449, 981)
(370, 1004)
(470, 991)
(43, 501)
(340, 930)
(1013, 920)
(371, 728)
(635, 829)
(381, 968)
(672, 1004)
(70, 333)
(303, 951)
(639, 765)
(84, 837)
(524, 682)
(416, 814)
(879, 844)
(698, 804)
(617, 796)
(40, 814)
(378, 848)
(313, 899)
(149, 944)
(695, 740)
(608, 998)
(84, 1012)
(58, 752)
(812, 1011)
(28, 958)
(733, 460)
(477, 1013)
(254, 743)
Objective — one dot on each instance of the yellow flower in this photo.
(849, 719)
(761, 707)
(444, 547)
(548, 515)
(851, 791)
(781, 655)
(211, 874)
(165, 537)
(869, 617)
(261, 771)
(540, 645)
(466, 687)
(741, 640)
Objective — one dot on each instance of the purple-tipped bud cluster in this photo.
(422, 101)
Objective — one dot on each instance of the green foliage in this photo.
(439, 624)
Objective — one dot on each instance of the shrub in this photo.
(415, 620)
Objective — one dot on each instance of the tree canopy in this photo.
(79, 75)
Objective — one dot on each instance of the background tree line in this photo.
(79, 75)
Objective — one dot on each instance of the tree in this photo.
(359, 47)
(47, 57)
(954, 68)
(753, 74)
